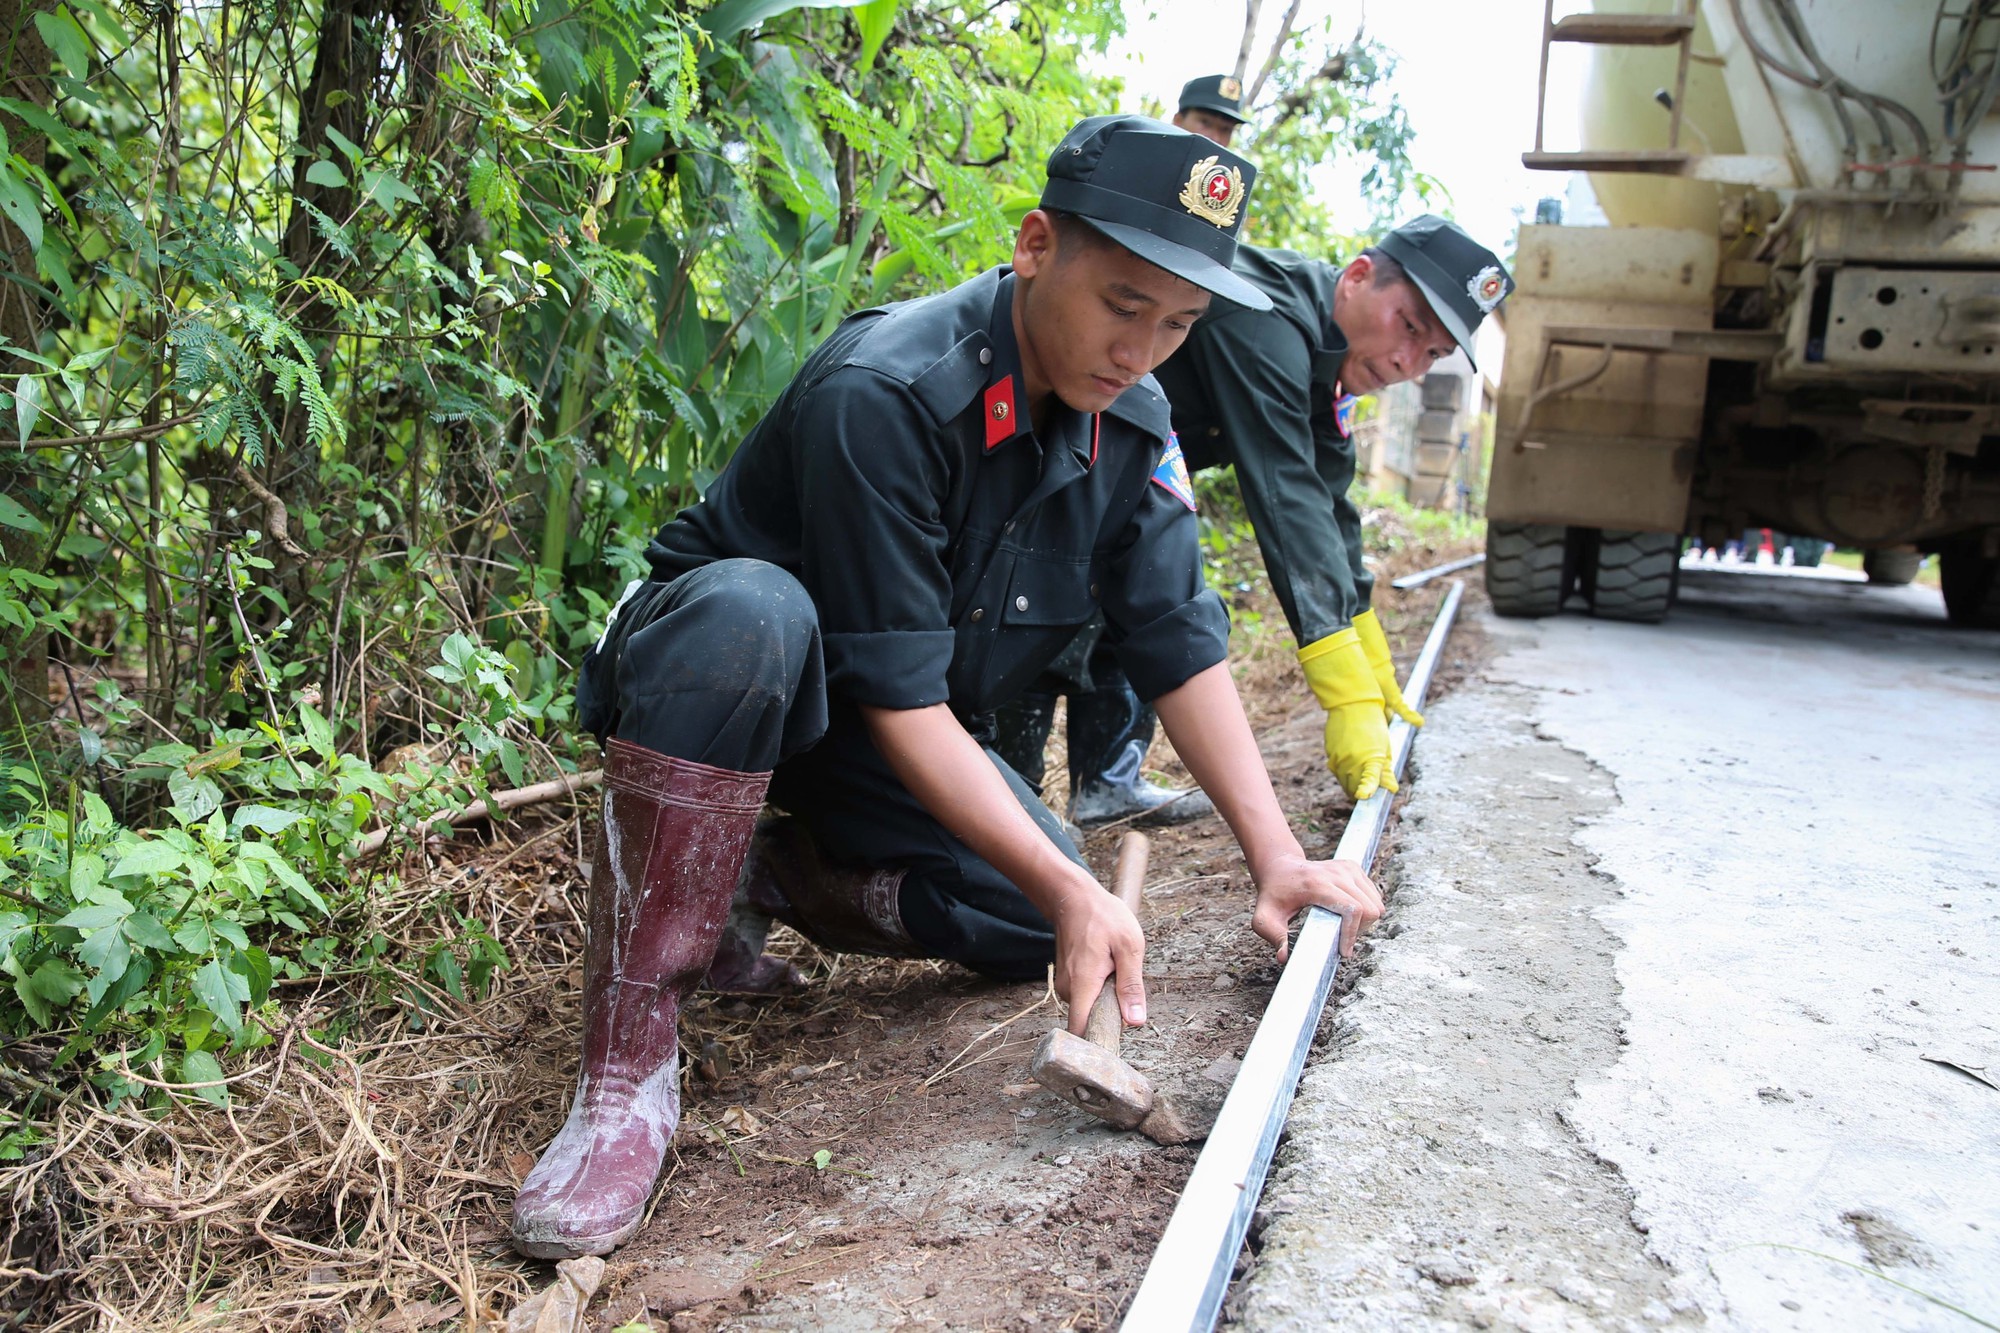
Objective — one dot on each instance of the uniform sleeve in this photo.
(872, 474)
(1166, 626)
(1294, 485)
(1333, 454)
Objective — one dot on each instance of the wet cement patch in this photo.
(1430, 1177)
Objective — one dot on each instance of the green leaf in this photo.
(211, 987)
(255, 967)
(108, 999)
(56, 981)
(108, 952)
(342, 142)
(822, 1160)
(11, 925)
(380, 187)
(97, 816)
(226, 928)
(144, 929)
(733, 16)
(95, 916)
(876, 20)
(148, 859)
(203, 1067)
(32, 1001)
(67, 39)
(86, 872)
(13, 514)
(194, 797)
(319, 732)
(27, 404)
(282, 869)
(325, 172)
(265, 818)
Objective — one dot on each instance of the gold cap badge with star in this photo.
(1213, 192)
(1229, 88)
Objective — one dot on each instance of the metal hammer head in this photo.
(1091, 1077)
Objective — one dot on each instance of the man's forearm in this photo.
(1204, 719)
(951, 777)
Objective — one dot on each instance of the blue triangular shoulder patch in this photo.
(1172, 474)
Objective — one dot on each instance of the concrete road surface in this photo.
(1685, 918)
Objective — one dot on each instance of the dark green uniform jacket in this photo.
(1259, 390)
(951, 550)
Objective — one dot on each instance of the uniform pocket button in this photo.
(1214, 431)
(1020, 603)
(1093, 590)
(978, 614)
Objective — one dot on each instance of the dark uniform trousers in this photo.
(722, 665)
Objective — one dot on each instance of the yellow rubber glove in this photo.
(1376, 645)
(1357, 729)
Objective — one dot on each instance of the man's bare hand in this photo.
(1098, 939)
(1292, 883)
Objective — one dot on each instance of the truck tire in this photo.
(1971, 585)
(1525, 567)
(1635, 575)
(1891, 568)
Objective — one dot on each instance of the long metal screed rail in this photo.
(1423, 576)
(1185, 1284)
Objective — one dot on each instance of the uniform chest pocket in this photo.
(1049, 591)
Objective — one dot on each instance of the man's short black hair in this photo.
(1387, 269)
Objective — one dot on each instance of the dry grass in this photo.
(353, 1180)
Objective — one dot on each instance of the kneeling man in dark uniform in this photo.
(948, 489)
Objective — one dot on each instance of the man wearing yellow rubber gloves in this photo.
(1272, 392)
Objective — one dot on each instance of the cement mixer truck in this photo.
(1794, 320)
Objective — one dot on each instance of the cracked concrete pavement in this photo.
(1680, 911)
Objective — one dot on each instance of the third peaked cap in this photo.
(1462, 279)
(1172, 198)
(1220, 93)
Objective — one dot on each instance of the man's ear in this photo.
(1035, 244)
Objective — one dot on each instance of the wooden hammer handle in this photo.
(1128, 881)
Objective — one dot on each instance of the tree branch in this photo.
(1250, 11)
(502, 801)
(1271, 60)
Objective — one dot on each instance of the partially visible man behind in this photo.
(1272, 392)
(1211, 106)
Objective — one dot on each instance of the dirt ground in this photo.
(872, 1154)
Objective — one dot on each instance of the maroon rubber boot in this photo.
(669, 854)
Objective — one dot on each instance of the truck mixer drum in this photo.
(1872, 493)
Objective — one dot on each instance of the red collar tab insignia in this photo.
(1096, 432)
(1171, 475)
(1213, 192)
(1343, 414)
(1001, 425)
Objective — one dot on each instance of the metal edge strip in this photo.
(1423, 576)
(1189, 1275)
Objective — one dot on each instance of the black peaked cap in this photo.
(1172, 198)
